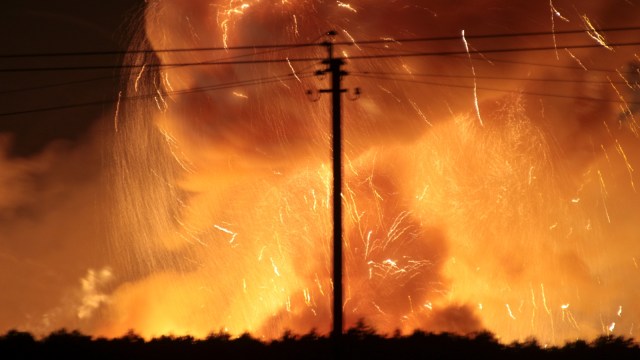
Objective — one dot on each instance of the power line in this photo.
(117, 76)
(560, 80)
(292, 60)
(136, 66)
(253, 82)
(578, 68)
(230, 61)
(314, 43)
(465, 58)
(489, 51)
(49, 86)
(128, 52)
(288, 77)
(491, 60)
(499, 90)
(490, 36)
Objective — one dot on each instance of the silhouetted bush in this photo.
(358, 342)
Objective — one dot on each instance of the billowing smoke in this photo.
(50, 234)
(499, 193)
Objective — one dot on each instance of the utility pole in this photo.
(335, 69)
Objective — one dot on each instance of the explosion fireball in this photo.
(485, 187)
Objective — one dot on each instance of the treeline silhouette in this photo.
(359, 342)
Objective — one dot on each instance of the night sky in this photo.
(45, 27)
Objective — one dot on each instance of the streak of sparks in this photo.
(135, 83)
(475, 82)
(352, 167)
(225, 230)
(191, 233)
(164, 106)
(620, 311)
(625, 106)
(351, 38)
(346, 6)
(315, 199)
(603, 192)
(594, 34)
(225, 35)
(367, 248)
(275, 268)
(167, 83)
(624, 79)
(420, 113)
(533, 303)
(554, 13)
(395, 231)
(544, 299)
(606, 155)
(423, 194)
(389, 39)
(173, 145)
(531, 177)
(626, 161)
(566, 315)
(576, 59)
(284, 84)
(389, 92)
(509, 311)
(407, 69)
(115, 117)
(378, 308)
(192, 29)
(547, 309)
(293, 71)
(239, 10)
(295, 25)
(317, 280)
(240, 95)
(307, 296)
(391, 263)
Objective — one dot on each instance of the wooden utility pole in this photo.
(335, 69)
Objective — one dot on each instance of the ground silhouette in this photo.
(359, 342)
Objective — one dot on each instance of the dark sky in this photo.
(44, 27)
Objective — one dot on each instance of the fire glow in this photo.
(519, 222)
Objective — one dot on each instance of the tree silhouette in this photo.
(359, 342)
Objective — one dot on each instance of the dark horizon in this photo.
(359, 342)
